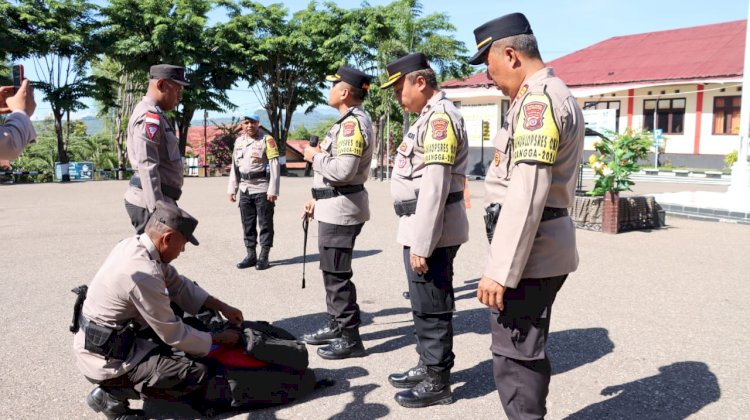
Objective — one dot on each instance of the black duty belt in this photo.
(405, 208)
(253, 175)
(324, 193)
(171, 192)
(492, 214)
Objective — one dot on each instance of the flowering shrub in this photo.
(221, 147)
(616, 159)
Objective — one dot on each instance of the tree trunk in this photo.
(183, 125)
(62, 155)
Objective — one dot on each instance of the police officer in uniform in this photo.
(255, 150)
(17, 131)
(530, 185)
(128, 329)
(340, 204)
(153, 147)
(427, 186)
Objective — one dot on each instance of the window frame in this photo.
(726, 109)
(669, 113)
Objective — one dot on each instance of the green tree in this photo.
(61, 36)
(147, 32)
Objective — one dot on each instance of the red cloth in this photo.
(235, 356)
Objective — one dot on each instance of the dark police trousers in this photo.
(433, 304)
(166, 376)
(257, 207)
(336, 246)
(138, 216)
(519, 337)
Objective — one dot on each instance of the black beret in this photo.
(403, 66)
(169, 72)
(352, 76)
(177, 219)
(502, 27)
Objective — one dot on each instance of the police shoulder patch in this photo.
(536, 137)
(272, 150)
(440, 142)
(350, 140)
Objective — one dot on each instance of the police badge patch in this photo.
(348, 128)
(151, 130)
(439, 129)
(534, 111)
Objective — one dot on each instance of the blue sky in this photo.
(561, 27)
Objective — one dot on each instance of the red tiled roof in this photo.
(699, 52)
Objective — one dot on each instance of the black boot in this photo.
(103, 402)
(249, 260)
(263, 258)
(410, 378)
(349, 345)
(434, 389)
(325, 334)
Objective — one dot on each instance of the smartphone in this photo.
(17, 74)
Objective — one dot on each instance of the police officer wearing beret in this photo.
(128, 328)
(530, 184)
(340, 204)
(153, 146)
(427, 186)
(254, 151)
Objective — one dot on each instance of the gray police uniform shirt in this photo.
(134, 284)
(536, 160)
(154, 154)
(15, 134)
(252, 155)
(432, 160)
(347, 152)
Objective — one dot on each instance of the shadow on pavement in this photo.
(570, 349)
(679, 390)
(316, 257)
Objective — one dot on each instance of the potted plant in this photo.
(615, 160)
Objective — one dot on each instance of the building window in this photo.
(606, 105)
(727, 114)
(670, 115)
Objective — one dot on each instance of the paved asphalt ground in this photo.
(653, 325)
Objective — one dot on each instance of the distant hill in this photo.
(95, 125)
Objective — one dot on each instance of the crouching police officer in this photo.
(341, 206)
(427, 186)
(153, 147)
(255, 150)
(128, 329)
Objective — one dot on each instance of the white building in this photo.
(688, 80)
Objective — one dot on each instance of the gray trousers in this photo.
(336, 247)
(138, 217)
(433, 303)
(519, 337)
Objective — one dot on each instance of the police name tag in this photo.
(536, 137)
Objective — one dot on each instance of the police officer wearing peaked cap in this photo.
(153, 146)
(254, 151)
(340, 203)
(128, 330)
(427, 188)
(529, 187)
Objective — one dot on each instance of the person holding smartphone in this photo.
(17, 132)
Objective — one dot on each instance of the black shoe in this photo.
(103, 402)
(410, 378)
(434, 389)
(263, 258)
(349, 345)
(249, 260)
(324, 335)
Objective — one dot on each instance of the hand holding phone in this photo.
(17, 74)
